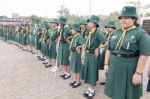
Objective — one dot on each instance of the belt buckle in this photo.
(119, 55)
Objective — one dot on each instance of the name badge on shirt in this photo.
(114, 37)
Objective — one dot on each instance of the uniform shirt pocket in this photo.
(112, 43)
(130, 45)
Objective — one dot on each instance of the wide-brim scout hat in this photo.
(94, 19)
(110, 24)
(83, 22)
(45, 24)
(54, 20)
(128, 11)
(69, 26)
(62, 20)
(76, 27)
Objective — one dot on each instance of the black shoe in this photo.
(29, 50)
(62, 75)
(40, 59)
(38, 56)
(33, 52)
(85, 94)
(48, 65)
(91, 95)
(43, 59)
(66, 77)
(45, 63)
(72, 83)
(24, 49)
(77, 84)
(102, 83)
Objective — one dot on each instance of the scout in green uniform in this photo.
(148, 85)
(110, 28)
(75, 54)
(90, 55)
(53, 39)
(24, 37)
(63, 47)
(83, 27)
(44, 44)
(30, 39)
(127, 54)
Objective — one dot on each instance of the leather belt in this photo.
(125, 55)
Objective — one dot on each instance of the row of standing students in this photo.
(123, 56)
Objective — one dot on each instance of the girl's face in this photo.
(109, 30)
(73, 31)
(127, 22)
(53, 25)
(82, 26)
(91, 25)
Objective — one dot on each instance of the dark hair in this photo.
(135, 23)
(96, 25)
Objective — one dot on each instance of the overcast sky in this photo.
(50, 7)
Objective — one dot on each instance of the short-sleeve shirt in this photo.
(136, 41)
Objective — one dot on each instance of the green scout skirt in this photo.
(37, 42)
(89, 72)
(148, 86)
(119, 80)
(24, 40)
(101, 59)
(75, 62)
(52, 50)
(43, 48)
(63, 54)
(32, 40)
(46, 49)
(28, 39)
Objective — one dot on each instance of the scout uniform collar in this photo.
(88, 41)
(55, 28)
(51, 33)
(110, 34)
(121, 39)
(74, 36)
(82, 31)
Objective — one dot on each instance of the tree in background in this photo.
(141, 9)
(64, 11)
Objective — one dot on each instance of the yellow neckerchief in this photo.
(53, 31)
(42, 37)
(62, 31)
(82, 31)
(74, 36)
(110, 34)
(88, 41)
(121, 39)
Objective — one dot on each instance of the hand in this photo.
(106, 68)
(96, 52)
(78, 49)
(57, 48)
(148, 73)
(69, 58)
(136, 79)
(83, 61)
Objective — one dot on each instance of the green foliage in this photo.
(114, 17)
(147, 14)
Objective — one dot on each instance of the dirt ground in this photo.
(22, 76)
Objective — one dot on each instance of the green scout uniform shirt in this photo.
(97, 38)
(54, 34)
(136, 42)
